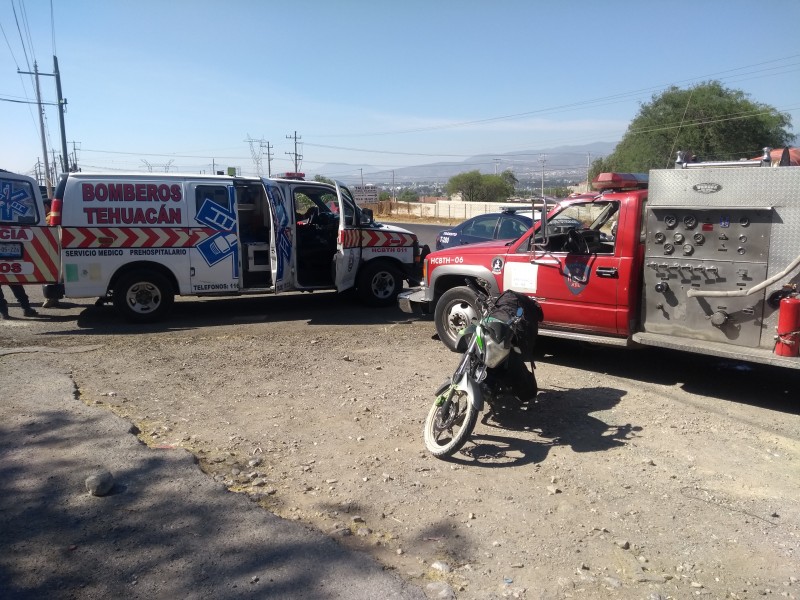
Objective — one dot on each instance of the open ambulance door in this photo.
(281, 248)
(29, 251)
(348, 242)
(215, 260)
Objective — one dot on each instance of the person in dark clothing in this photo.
(22, 298)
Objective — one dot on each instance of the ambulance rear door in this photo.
(348, 243)
(215, 258)
(29, 251)
(281, 246)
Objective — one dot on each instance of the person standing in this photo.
(24, 302)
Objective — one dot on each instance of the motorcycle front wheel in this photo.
(448, 426)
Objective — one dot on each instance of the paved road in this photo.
(426, 234)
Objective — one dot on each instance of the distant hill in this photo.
(564, 161)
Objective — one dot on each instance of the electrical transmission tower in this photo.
(296, 157)
(256, 151)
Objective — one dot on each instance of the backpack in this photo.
(505, 307)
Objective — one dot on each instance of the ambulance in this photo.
(138, 240)
(28, 247)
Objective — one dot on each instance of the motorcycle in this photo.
(491, 370)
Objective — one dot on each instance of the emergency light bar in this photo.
(298, 176)
(620, 181)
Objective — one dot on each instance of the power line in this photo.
(579, 104)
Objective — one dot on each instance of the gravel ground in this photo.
(635, 475)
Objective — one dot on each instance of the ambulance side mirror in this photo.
(366, 216)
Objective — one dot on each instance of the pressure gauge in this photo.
(744, 221)
(670, 221)
(678, 237)
(669, 248)
(688, 249)
(660, 238)
(699, 238)
(690, 221)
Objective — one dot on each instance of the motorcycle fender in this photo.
(442, 388)
(473, 390)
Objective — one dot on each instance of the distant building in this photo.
(364, 194)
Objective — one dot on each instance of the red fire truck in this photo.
(701, 258)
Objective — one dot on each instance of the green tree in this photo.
(509, 177)
(383, 196)
(475, 187)
(408, 195)
(710, 121)
(323, 179)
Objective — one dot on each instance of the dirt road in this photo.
(637, 474)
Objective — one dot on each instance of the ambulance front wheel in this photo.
(379, 283)
(143, 296)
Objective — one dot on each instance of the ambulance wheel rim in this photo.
(383, 285)
(379, 283)
(143, 297)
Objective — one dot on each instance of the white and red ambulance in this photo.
(140, 239)
(28, 247)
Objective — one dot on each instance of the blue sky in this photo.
(182, 84)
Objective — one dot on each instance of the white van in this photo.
(140, 239)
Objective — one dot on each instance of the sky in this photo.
(366, 85)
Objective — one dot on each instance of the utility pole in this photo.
(48, 182)
(588, 168)
(55, 169)
(543, 160)
(297, 157)
(269, 160)
(61, 104)
(74, 166)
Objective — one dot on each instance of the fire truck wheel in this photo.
(143, 296)
(379, 283)
(454, 311)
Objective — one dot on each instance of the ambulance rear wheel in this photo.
(143, 296)
(379, 284)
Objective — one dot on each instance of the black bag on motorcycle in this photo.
(505, 307)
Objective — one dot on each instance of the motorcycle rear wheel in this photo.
(445, 434)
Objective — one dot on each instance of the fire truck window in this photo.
(218, 194)
(17, 203)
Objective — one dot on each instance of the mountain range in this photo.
(567, 162)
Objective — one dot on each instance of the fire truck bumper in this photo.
(414, 301)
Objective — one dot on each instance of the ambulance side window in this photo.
(218, 194)
(17, 203)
